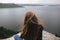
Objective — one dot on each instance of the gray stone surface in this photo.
(46, 36)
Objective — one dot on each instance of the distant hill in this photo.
(9, 5)
(12, 5)
(39, 4)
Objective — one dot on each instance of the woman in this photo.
(32, 30)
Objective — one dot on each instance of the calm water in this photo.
(12, 18)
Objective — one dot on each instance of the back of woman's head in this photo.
(30, 28)
(30, 16)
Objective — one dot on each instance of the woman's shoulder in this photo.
(17, 36)
(41, 27)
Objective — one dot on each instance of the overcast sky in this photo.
(31, 1)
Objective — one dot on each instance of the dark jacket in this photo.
(31, 26)
(40, 32)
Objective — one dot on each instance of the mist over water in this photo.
(12, 18)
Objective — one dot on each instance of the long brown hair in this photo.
(30, 28)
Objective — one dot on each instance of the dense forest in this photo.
(5, 33)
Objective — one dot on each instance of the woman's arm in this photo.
(40, 32)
